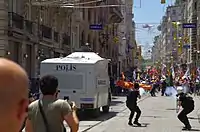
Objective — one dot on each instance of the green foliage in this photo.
(156, 39)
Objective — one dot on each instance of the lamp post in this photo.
(197, 57)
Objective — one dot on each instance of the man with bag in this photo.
(48, 113)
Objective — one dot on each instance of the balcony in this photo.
(15, 20)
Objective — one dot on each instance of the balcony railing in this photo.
(46, 32)
(15, 20)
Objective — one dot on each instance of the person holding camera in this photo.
(47, 114)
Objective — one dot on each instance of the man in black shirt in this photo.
(187, 104)
(131, 103)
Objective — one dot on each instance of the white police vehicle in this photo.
(83, 78)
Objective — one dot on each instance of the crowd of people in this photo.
(20, 110)
(167, 86)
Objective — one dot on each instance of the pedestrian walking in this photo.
(187, 104)
(47, 114)
(131, 103)
(14, 100)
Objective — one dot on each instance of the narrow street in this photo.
(158, 115)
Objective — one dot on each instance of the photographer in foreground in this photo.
(48, 113)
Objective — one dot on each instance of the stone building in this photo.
(30, 33)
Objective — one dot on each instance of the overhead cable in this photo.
(68, 3)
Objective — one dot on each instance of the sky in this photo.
(150, 12)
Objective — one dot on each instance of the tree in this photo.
(156, 39)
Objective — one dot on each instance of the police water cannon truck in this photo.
(83, 78)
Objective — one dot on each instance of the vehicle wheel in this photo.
(106, 109)
(96, 112)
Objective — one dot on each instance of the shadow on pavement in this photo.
(102, 116)
(121, 95)
(153, 116)
(193, 118)
(194, 130)
(171, 109)
(142, 125)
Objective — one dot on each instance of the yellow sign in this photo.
(175, 36)
(180, 47)
(186, 40)
(175, 24)
(116, 39)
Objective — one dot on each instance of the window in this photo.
(95, 16)
(29, 26)
(195, 6)
(89, 15)
(173, 12)
(83, 38)
(56, 36)
(189, 12)
(46, 32)
(83, 14)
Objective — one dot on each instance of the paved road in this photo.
(158, 116)
(118, 106)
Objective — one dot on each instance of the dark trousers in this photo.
(182, 116)
(163, 91)
(152, 92)
(133, 110)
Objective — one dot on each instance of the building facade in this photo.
(166, 46)
(30, 33)
(138, 58)
(157, 50)
(126, 34)
(130, 32)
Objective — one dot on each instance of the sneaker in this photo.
(137, 123)
(130, 123)
(187, 128)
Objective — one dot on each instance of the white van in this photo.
(83, 78)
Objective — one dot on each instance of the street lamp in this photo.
(197, 57)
